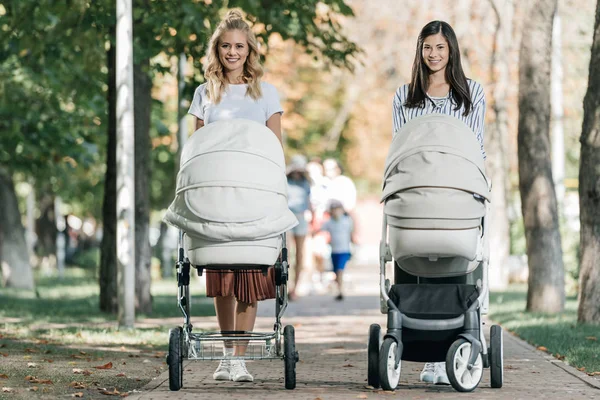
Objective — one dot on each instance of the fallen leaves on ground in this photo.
(3, 376)
(107, 392)
(81, 371)
(8, 390)
(348, 365)
(33, 379)
(31, 350)
(77, 385)
(32, 365)
(4, 354)
(121, 374)
(594, 373)
(105, 366)
(362, 396)
(560, 356)
(542, 348)
(591, 338)
(48, 360)
(385, 392)
(581, 369)
(78, 394)
(33, 389)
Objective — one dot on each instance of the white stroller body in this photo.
(435, 217)
(231, 209)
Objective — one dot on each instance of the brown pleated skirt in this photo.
(246, 286)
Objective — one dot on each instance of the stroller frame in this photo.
(187, 345)
(384, 355)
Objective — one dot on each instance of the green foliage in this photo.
(53, 77)
(52, 100)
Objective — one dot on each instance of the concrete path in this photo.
(331, 338)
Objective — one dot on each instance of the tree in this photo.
(497, 143)
(589, 191)
(16, 271)
(48, 127)
(546, 290)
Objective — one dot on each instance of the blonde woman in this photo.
(233, 89)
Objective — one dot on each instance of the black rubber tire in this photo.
(290, 356)
(456, 384)
(496, 355)
(175, 358)
(373, 355)
(387, 382)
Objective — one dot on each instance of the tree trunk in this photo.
(497, 145)
(589, 190)
(108, 258)
(45, 226)
(14, 263)
(546, 290)
(143, 252)
(558, 135)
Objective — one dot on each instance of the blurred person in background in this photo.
(339, 187)
(299, 203)
(341, 228)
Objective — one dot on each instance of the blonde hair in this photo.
(253, 70)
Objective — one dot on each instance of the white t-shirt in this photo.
(341, 233)
(235, 104)
(342, 188)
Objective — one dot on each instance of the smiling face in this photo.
(233, 52)
(436, 52)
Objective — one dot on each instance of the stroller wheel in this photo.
(290, 356)
(496, 355)
(373, 355)
(457, 360)
(389, 371)
(175, 358)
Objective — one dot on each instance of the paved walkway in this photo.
(331, 339)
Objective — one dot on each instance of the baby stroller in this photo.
(435, 217)
(231, 209)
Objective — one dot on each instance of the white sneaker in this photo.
(427, 373)
(440, 377)
(239, 373)
(222, 372)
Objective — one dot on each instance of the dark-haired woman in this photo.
(438, 85)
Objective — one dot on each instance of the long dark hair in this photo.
(419, 82)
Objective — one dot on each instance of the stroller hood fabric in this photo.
(435, 176)
(231, 185)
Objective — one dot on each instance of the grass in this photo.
(52, 341)
(558, 334)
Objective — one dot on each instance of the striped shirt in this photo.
(443, 105)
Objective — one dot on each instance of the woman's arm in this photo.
(274, 124)
(199, 123)
(397, 116)
(479, 123)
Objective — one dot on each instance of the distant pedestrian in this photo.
(299, 204)
(341, 228)
(339, 187)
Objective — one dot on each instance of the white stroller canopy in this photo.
(434, 175)
(435, 133)
(232, 184)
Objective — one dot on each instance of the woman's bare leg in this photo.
(245, 317)
(225, 308)
(299, 241)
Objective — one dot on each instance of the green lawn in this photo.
(59, 329)
(560, 334)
